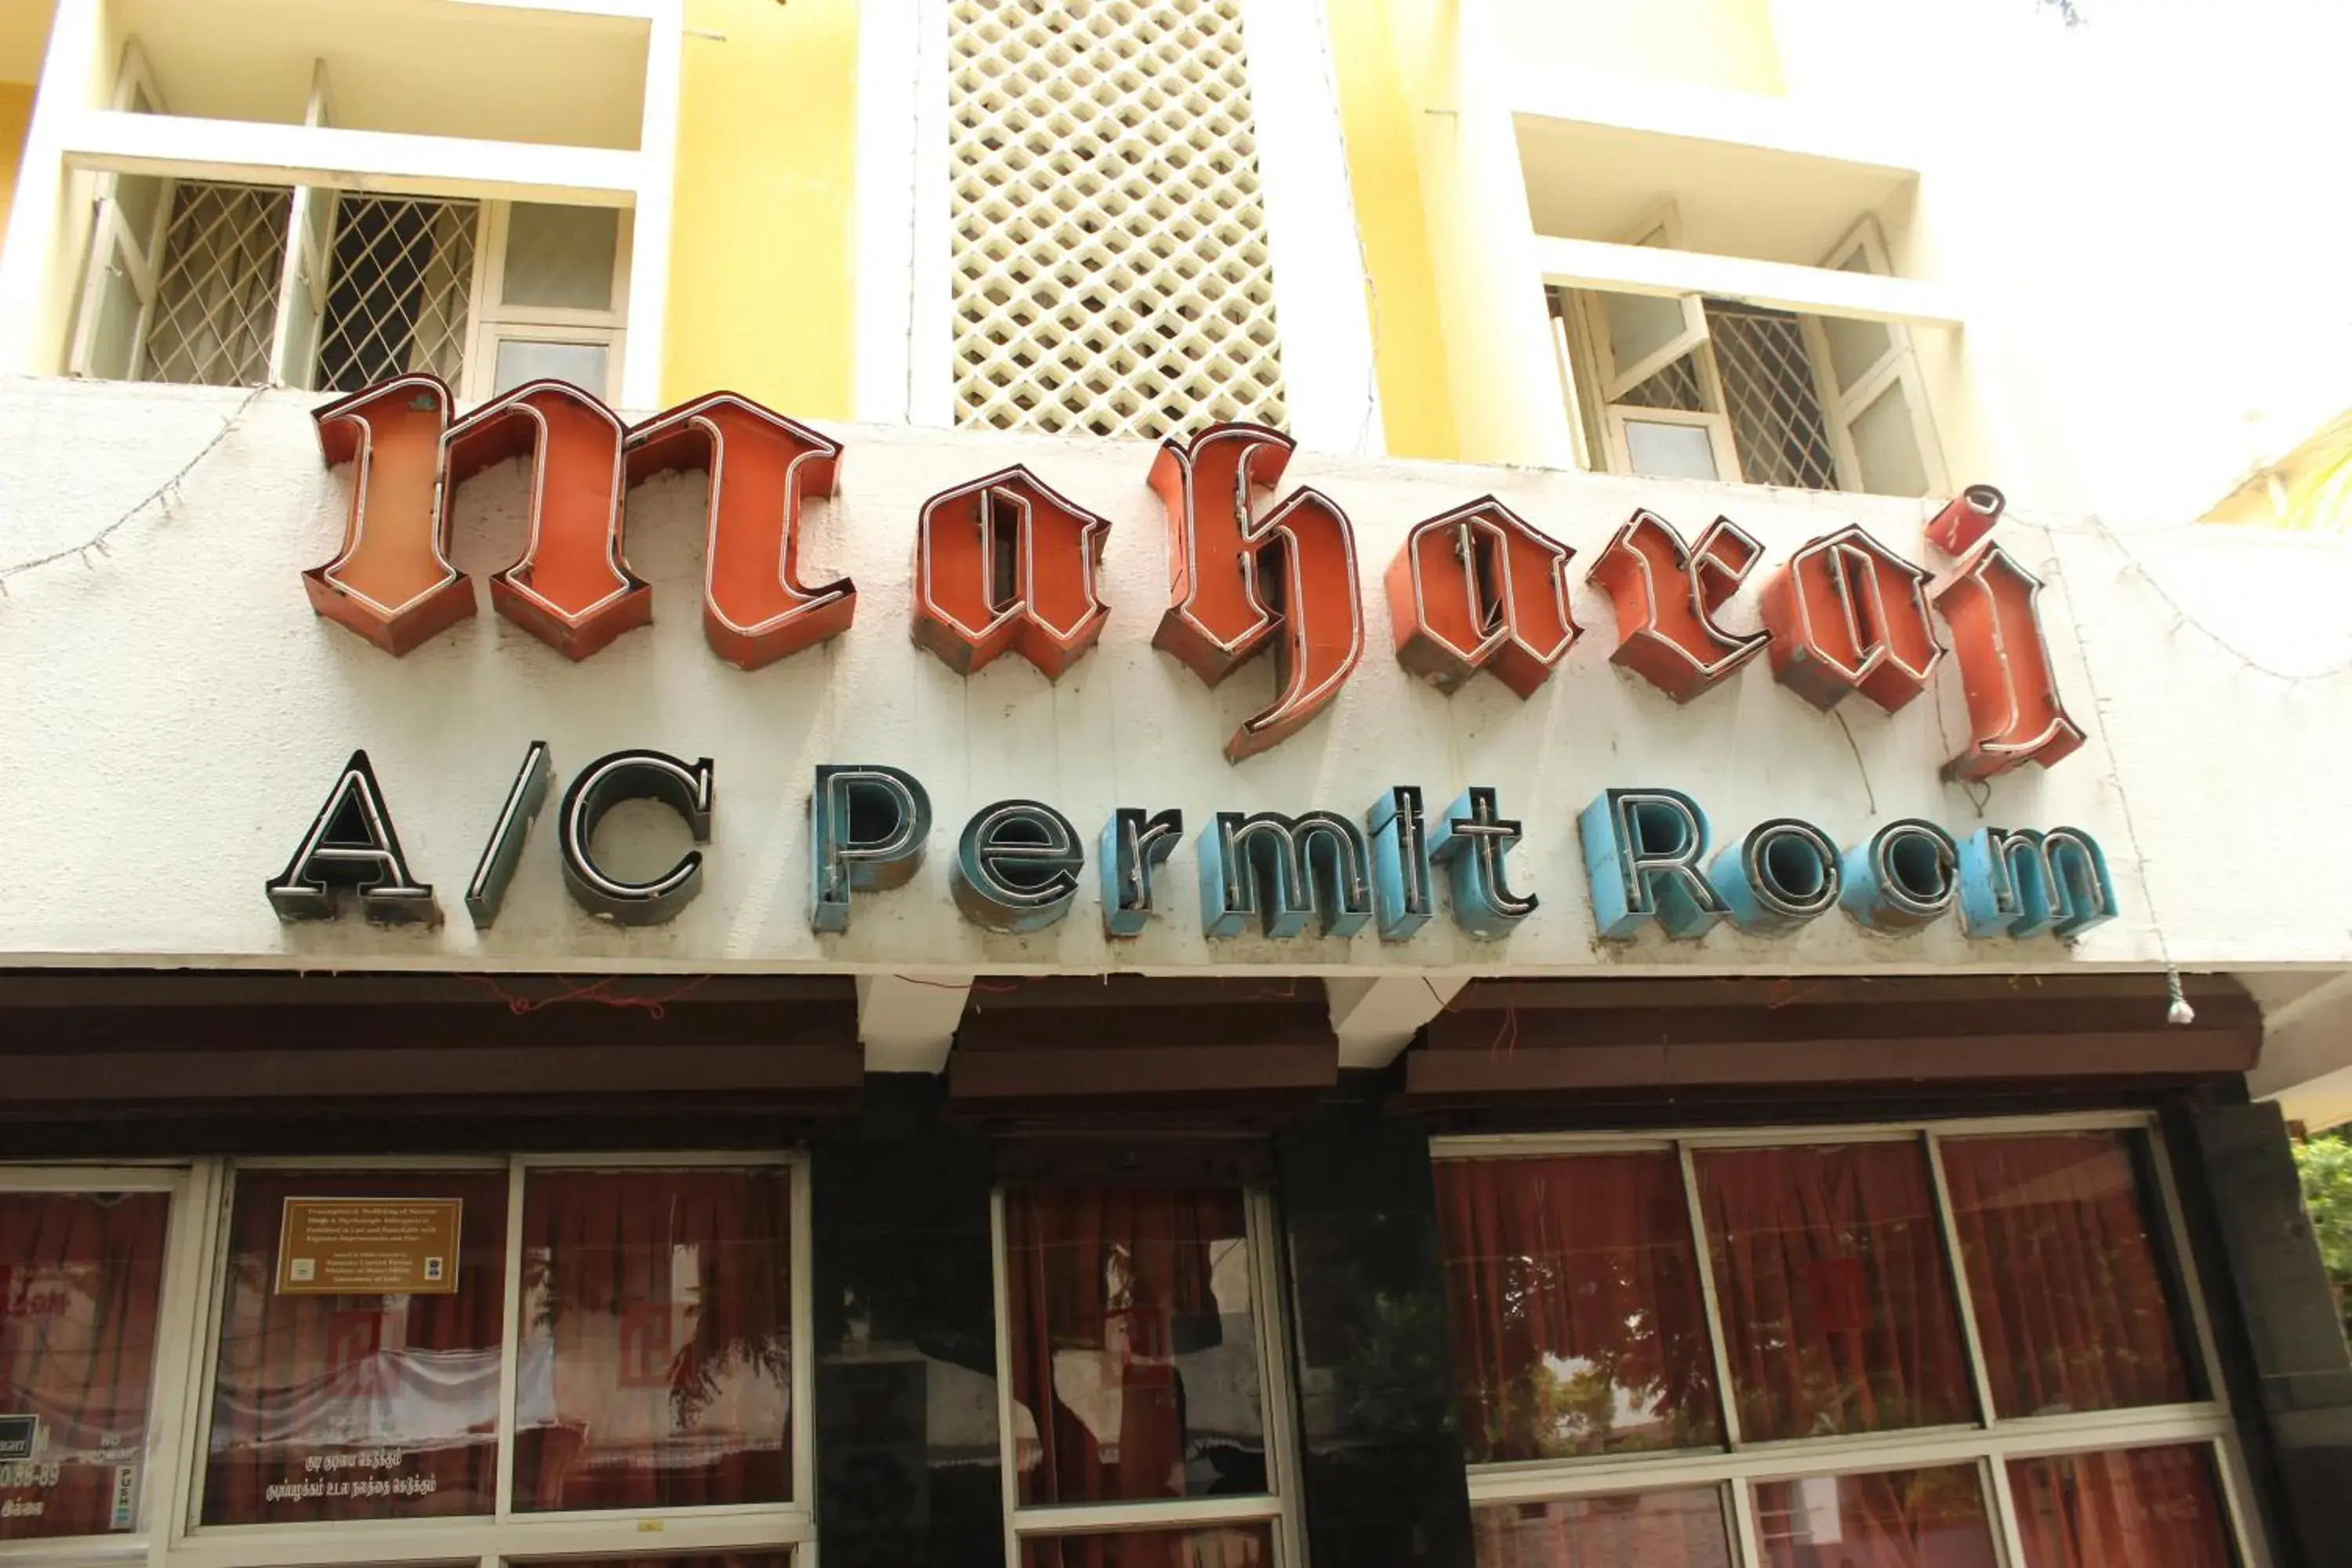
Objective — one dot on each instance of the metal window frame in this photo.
(1268, 1299)
(491, 320)
(1990, 1443)
(194, 1291)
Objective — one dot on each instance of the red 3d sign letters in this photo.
(1479, 589)
(1967, 518)
(763, 466)
(571, 589)
(1240, 581)
(1005, 563)
(1666, 594)
(2015, 716)
(391, 581)
(1846, 613)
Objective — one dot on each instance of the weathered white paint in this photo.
(908, 1022)
(1820, 290)
(175, 714)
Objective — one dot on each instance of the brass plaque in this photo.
(368, 1247)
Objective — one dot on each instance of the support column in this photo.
(2300, 1377)
(1377, 1018)
(908, 1022)
(1383, 1461)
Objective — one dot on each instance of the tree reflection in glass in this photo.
(1579, 1325)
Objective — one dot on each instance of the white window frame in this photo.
(1734, 1466)
(1277, 1506)
(491, 320)
(186, 1234)
(113, 248)
(1842, 409)
(169, 1534)
(906, 368)
(76, 127)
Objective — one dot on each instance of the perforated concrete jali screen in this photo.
(1110, 268)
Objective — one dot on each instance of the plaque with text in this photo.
(368, 1247)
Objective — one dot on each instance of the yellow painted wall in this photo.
(16, 115)
(1377, 111)
(763, 250)
(1723, 43)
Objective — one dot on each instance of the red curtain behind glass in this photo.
(669, 1391)
(1215, 1546)
(1838, 1313)
(2069, 1301)
(82, 1279)
(333, 1377)
(1106, 1269)
(1586, 1259)
(1653, 1530)
(2146, 1507)
(1933, 1517)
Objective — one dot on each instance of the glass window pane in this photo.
(582, 364)
(1216, 1546)
(2069, 1295)
(1135, 1355)
(1579, 1324)
(1643, 1529)
(364, 1405)
(655, 1364)
(1837, 1306)
(561, 256)
(1639, 326)
(1895, 1519)
(1670, 451)
(2145, 1508)
(81, 1280)
(1855, 348)
(1886, 445)
(117, 333)
(139, 196)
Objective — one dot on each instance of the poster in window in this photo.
(369, 1246)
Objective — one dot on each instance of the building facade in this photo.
(1107, 783)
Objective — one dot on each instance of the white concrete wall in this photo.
(173, 714)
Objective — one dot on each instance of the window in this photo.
(81, 1333)
(410, 1361)
(1715, 389)
(1144, 1423)
(1112, 273)
(208, 283)
(1948, 1347)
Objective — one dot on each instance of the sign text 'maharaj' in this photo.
(1649, 855)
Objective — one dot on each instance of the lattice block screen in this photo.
(1110, 266)
(401, 278)
(1772, 397)
(216, 291)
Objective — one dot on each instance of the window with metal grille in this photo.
(397, 295)
(216, 306)
(1716, 389)
(1110, 268)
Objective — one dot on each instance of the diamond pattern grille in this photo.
(217, 292)
(1672, 387)
(1110, 266)
(1768, 390)
(399, 283)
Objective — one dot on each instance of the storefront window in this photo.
(1135, 1332)
(657, 1339)
(1836, 1304)
(1888, 1518)
(81, 1279)
(346, 1404)
(1682, 1528)
(2005, 1301)
(2143, 1508)
(2071, 1301)
(1578, 1326)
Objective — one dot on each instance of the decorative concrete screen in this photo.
(1110, 266)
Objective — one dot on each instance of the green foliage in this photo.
(2325, 1162)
